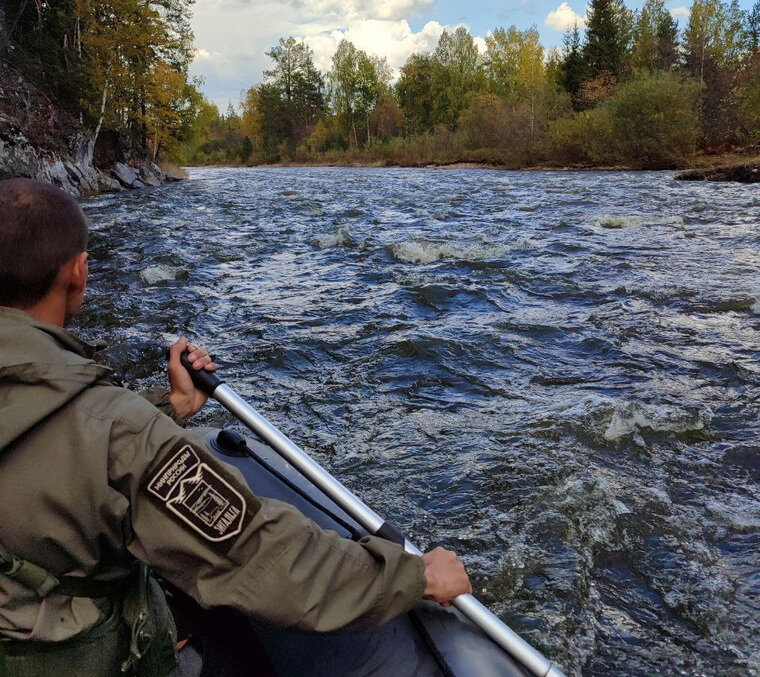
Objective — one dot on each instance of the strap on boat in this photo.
(36, 578)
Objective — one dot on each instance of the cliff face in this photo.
(73, 167)
(38, 140)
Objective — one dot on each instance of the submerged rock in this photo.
(745, 172)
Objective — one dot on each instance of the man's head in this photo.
(43, 242)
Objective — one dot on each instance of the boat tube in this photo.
(428, 641)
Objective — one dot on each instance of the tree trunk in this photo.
(18, 18)
(104, 99)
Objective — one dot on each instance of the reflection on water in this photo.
(557, 374)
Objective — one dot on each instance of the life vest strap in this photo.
(36, 578)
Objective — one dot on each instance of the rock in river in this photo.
(745, 172)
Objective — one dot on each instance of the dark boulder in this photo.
(745, 172)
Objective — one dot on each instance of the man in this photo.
(89, 486)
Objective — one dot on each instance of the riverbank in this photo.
(75, 169)
(724, 167)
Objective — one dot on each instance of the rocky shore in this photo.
(81, 169)
(743, 172)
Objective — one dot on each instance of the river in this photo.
(555, 373)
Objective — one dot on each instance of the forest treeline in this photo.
(627, 88)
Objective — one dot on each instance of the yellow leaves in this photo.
(515, 61)
(319, 137)
(252, 118)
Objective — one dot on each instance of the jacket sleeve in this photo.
(158, 396)
(201, 528)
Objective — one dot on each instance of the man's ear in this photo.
(79, 271)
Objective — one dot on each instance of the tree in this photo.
(300, 84)
(747, 99)
(415, 93)
(514, 68)
(514, 62)
(608, 34)
(121, 64)
(572, 71)
(387, 118)
(655, 38)
(270, 111)
(655, 119)
(319, 138)
(456, 75)
(356, 82)
(251, 118)
(715, 44)
(163, 117)
(753, 26)
(714, 38)
(246, 148)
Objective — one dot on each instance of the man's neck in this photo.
(51, 309)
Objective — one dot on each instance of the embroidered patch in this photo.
(199, 496)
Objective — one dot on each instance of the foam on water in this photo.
(628, 419)
(341, 238)
(161, 273)
(620, 221)
(423, 251)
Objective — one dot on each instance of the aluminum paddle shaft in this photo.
(491, 624)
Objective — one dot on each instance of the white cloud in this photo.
(351, 10)
(393, 40)
(679, 12)
(564, 18)
(205, 55)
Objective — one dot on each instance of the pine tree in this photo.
(573, 72)
(655, 38)
(300, 84)
(607, 37)
(753, 26)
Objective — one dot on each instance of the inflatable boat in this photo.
(427, 642)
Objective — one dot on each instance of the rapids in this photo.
(557, 374)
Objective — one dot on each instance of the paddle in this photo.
(487, 621)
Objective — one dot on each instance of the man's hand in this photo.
(186, 399)
(445, 576)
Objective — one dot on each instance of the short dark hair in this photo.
(41, 229)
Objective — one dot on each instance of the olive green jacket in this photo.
(92, 475)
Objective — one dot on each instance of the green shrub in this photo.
(649, 122)
(655, 119)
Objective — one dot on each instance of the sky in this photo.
(233, 36)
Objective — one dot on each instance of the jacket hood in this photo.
(42, 367)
